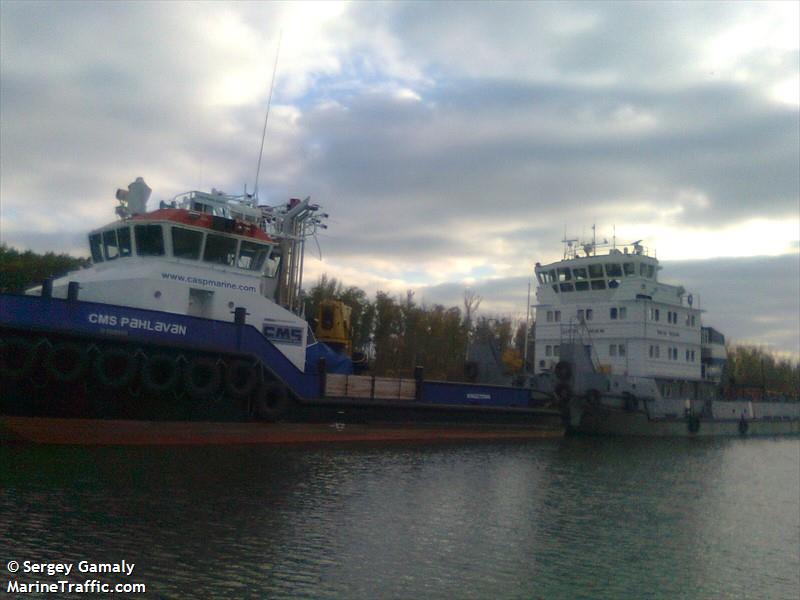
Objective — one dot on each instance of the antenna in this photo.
(266, 118)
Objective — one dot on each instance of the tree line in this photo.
(399, 333)
(22, 270)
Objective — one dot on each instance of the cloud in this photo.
(451, 142)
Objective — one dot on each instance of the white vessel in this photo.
(627, 354)
(202, 254)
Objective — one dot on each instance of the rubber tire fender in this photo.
(23, 355)
(236, 385)
(111, 380)
(198, 389)
(160, 364)
(65, 353)
(271, 402)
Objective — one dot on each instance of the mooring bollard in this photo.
(73, 287)
(47, 288)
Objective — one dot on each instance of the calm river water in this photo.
(565, 518)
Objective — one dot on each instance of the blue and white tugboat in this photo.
(628, 355)
(187, 329)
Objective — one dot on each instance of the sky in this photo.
(453, 144)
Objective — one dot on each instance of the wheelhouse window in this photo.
(564, 274)
(613, 270)
(646, 270)
(124, 239)
(581, 286)
(252, 256)
(595, 271)
(149, 240)
(220, 250)
(186, 243)
(273, 263)
(110, 244)
(96, 246)
(613, 313)
(579, 273)
(598, 284)
(566, 287)
(629, 269)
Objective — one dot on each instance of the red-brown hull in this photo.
(101, 432)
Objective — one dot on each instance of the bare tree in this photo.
(472, 302)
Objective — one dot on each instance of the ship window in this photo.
(549, 316)
(220, 249)
(557, 315)
(551, 274)
(623, 313)
(95, 243)
(612, 350)
(539, 278)
(589, 314)
(598, 284)
(646, 270)
(651, 351)
(580, 315)
(629, 268)
(613, 283)
(252, 256)
(613, 270)
(548, 350)
(186, 243)
(650, 271)
(110, 244)
(149, 240)
(595, 270)
(273, 263)
(579, 273)
(613, 313)
(581, 286)
(124, 239)
(564, 275)
(567, 287)
(556, 350)
(622, 349)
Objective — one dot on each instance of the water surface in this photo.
(565, 518)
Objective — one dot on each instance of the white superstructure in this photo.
(612, 302)
(203, 255)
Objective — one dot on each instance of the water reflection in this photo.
(574, 518)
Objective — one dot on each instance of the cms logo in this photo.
(282, 334)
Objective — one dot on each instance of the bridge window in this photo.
(96, 246)
(613, 313)
(124, 239)
(564, 275)
(220, 249)
(149, 240)
(273, 263)
(581, 286)
(598, 284)
(595, 271)
(110, 244)
(629, 269)
(623, 313)
(613, 270)
(646, 270)
(589, 314)
(567, 287)
(548, 350)
(186, 243)
(252, 256)
(581, 315)
(579, 273)
(612, 350)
